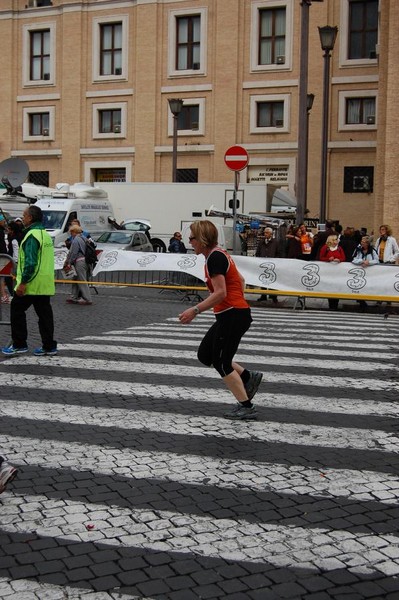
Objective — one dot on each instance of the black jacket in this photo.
(267, 249)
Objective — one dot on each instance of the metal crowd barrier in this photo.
(186, 286)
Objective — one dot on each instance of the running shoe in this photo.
(253, 383)
(242, 413)
(12, 350)
(42, 352)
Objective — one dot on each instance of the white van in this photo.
(225, 235)
(62, 204)
(80, 201)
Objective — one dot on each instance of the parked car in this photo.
(123, 240)
(136, 225)
(144, 225)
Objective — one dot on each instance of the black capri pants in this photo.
(221, 342)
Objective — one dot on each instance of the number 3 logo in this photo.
(268, 276)
(358, 280)
(312, 278)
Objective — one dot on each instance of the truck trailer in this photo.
(172, 207)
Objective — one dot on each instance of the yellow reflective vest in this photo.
(42, 282)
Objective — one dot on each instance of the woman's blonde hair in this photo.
(388, 229)
(75, 229)
(205, 232)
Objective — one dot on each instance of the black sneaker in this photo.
(253, 383)
(242, 413)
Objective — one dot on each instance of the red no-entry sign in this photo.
(236, 158)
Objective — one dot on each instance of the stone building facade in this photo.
(85, 86)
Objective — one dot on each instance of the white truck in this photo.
(169, 207)
(62, 204)
(172, 207)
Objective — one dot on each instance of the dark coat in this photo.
(267, 249)
(348, 244)
(177, 246)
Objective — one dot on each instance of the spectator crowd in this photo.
(334, 244)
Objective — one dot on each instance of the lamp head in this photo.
(175, 105)
(309, 102)
(328, 36)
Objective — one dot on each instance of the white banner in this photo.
(60, 255)
(278, 273)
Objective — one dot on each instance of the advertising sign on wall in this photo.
(276, 174)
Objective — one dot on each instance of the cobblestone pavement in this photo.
(132, 485)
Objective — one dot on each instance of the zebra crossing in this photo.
(133, 485)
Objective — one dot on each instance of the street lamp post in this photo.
(328, 36)
(175, 105)
(301, 171)
(309, 106)
(302, 159)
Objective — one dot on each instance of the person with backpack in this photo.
(77, 258)
(85, 233)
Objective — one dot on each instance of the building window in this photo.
(188, 118)
(38, 57)
(357, 110)
(363, 29)
(187, 42)
(109, 120)
(107, 171)
(111, 175)
(358, 33)
(39, 124)
(360, 111)
(271, 36)
(39, 178)
(110, 48)
(358, 180)
(187, 175)
(191, 119)
(269, 114)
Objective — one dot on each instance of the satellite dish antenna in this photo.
(13, 172)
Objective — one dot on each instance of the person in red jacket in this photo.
(333, 253)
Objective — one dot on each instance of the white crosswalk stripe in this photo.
(204, 425)
(99, 386)
(134, 408)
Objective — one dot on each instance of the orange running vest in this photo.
(235, 296)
